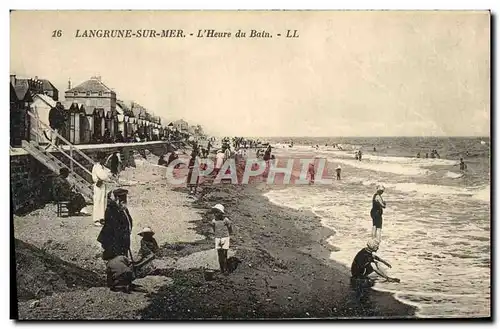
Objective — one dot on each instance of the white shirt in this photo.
(219, 160)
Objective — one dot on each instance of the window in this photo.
(76, 93)
(88, 93)
(100, 93)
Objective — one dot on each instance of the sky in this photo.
(349, 73)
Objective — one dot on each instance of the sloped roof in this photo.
(21, 88)
(139, 111)
(47, 85)
(47, 99)
(13, 95)
(74, 106)
(124, 108)
(91, 85)
(119, 109)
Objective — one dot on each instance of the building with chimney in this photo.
(99, 102)
(49, 89)
(21, 98)
(181, 125)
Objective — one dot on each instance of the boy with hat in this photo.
(222, 227)
(149, 246)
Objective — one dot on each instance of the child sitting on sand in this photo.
(149, 246)
(222, 229)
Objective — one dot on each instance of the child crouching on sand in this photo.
(222, 227)
(149, 246)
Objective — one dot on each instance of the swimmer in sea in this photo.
(378, 204)
(463, 166)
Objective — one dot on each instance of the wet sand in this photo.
(285, 269)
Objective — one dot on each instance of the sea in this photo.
(436, 232)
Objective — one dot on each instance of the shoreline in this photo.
(285, 270)
(329, 233)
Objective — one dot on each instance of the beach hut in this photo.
(75, 117)
(125, 120)
(86, 126)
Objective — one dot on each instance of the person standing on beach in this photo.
(115, 234)
(311, 171)
(100, 175)
(222, 227)
(114, 163)
(227, 153)
(267, 159)
(378, 204)
(219, 161)
(338, 170)
(193, 166)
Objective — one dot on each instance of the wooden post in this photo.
(72, 159)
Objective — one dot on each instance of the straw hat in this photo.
(380, 188)
(373, 244)
(219, 207)
(338, 167)
(146, 230)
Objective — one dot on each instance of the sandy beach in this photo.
(285, 269)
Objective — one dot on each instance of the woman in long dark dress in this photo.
(192, 182)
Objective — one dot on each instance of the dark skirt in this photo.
(376, 218)
(190, 174)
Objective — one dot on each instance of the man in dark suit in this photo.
(115, 234)
(57, 120)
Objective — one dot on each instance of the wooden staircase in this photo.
(49, 160)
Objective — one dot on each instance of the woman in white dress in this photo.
(100, 176)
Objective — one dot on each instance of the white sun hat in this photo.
(380, 188)
(219, 207)
(146, 230)
(338, 167)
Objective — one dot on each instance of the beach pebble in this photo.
(34, 304)
(289, 298)
(307, 313)
(268, 299)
